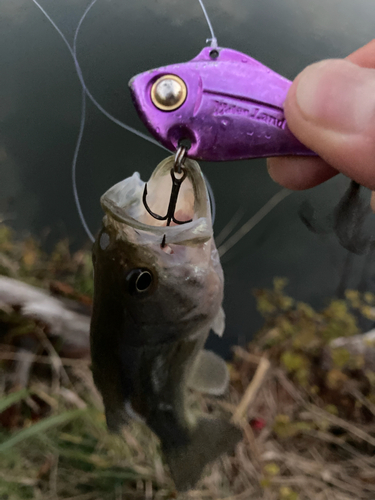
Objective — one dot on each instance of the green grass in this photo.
(70, 453)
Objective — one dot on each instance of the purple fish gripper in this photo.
(233, 108)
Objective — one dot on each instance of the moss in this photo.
(27, 261)
(285, 428)
(271, 469)
(286, 493)
(332, 409)
(340, 357)
(336, 378)
(6, 238)
(340, 322)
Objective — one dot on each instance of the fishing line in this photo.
(214, 45)
(81, 127)
(229, 227)
(213, 38)
(74, 168)
(108, 115)
(80, 76)
(79, 138)
(253, 221)
(86, 91)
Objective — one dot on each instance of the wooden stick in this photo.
(252, 390)
(246, 356)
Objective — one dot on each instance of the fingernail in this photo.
(338, 95)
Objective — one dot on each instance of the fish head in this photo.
(225, 104)
(160, 282)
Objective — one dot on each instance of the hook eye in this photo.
(214, 54)
(168, 92)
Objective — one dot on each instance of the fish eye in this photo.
(168, 92)
(143, 281)
(139, 281)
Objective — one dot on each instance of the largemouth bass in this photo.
(158, 292)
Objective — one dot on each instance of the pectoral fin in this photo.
(210, 374)
(218, 325)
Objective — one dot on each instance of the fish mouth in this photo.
(124, 203)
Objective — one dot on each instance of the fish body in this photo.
(227, 104)
(154, 306)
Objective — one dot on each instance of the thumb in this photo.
(331, 109)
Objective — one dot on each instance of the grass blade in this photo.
(13, 398)
(39, 427)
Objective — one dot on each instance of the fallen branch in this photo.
(251, 390)
(60, 316)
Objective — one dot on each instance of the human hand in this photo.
(330, 108)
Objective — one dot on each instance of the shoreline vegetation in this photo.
(303, 392)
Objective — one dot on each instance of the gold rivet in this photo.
(168, 92)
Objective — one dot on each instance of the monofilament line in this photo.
(80, 76)
(73, 52)
(81, 125)
(74, 168)
(115, 120)
(253, 221)
(83, 111)
(213, 38)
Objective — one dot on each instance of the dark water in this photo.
(40, 98)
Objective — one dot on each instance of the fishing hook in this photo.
(176, 184)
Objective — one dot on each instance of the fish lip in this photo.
(194, 232)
